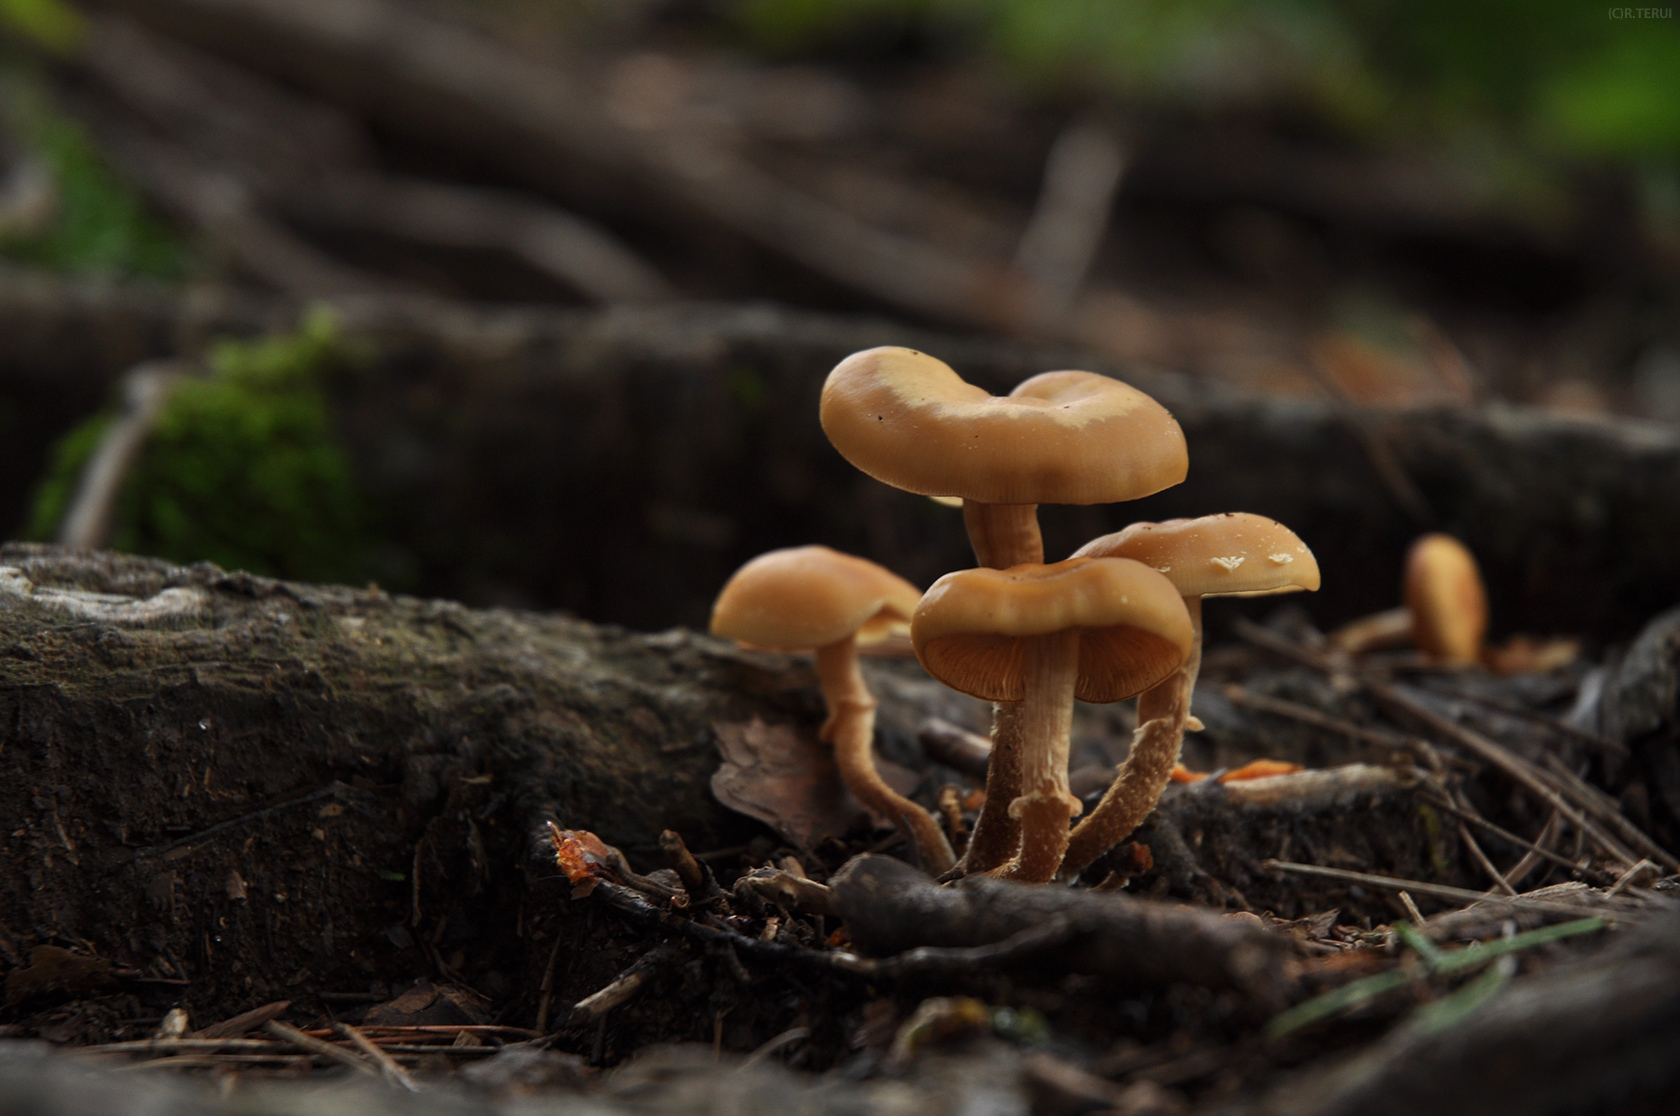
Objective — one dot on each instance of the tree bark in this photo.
(255, 779)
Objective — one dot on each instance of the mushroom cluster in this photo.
(1121, 618)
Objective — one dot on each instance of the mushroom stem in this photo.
(1046, 718)
(1003, 535)
(851, 729)
(1162, 713)
(997, 834)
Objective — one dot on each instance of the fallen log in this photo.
(235, 791)
(686, 437)
(227, 781)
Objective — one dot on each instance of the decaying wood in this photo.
(1210, 841)
(164, 728)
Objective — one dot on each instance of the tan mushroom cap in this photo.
(907, 419)
(1236, 554)
(1134, 629)
(1446, 599)
(807, 597)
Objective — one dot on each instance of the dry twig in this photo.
(316, 1046)
(144, 390)
(1439, 891)
(1502, 758)
(392, 1072)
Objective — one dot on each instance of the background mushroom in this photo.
(907, 419)
(1445, 614)
(811, 598)
(1098, 629)
(1235, 554)
(1446, 600)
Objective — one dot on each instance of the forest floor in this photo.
(1460, 866)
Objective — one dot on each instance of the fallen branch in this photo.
(955, 746)
(249, 127)
(145, 389)
(539, 120)
(218, 204)
(577, 252)
(1081, 177)
(890, 907)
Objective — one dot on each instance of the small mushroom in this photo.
(811, 598)
(1235, 554)
(907, 419)
(1445, 614)
(1038, 636)
(1446, 600)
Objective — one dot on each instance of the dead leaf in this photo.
(429, 1005)
(245, 1021)
(1254, 769)
(584, 857)
(52, 969)
(1527, 655)
(787, 780)
(1260, 769)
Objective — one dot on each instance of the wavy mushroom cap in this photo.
(1236, 554)
(807, 597)
(1446, 599)
(970, 628)
(907, 419)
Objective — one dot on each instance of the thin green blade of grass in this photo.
(1448, 1010)
(1436, 960)
(1338, 1000)
(1479, 953)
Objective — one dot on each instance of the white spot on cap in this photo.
(1230, 564)
(1161, 569)
(1282, 559)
